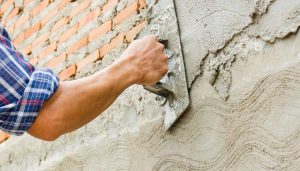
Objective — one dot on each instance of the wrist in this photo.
(121, 74)
(129, 69)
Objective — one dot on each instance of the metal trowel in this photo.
(172, 87)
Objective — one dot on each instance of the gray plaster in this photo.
(244, 112)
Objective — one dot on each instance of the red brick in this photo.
(125, 13)
(79, 8)
(142, 4)
(47, 50)
(130, 36)
(3, 136)
(49, 16)
(63, 3)
(89, 59)
(10, 29)
(40, 7)
(109, 5)
(42, 38)
(36, 27)
(117, 41)
(89, 17)
(33, 61)
(26, 2)
(101, 30)
(60, 23)
(5, 5)
(77, 45)
(12, 14)
(19, 39)
(56, 61)
(20, 21)
(69, 72)
(27, 50)
(68, 33)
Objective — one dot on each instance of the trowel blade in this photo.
(164, 24)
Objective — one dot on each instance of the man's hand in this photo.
(76, 103)
(145, 57)
(3, 136)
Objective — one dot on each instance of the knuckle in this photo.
(152, 37)
(146, 38)
(165, 58)
(161, 46)
(164, 73)
(165, 70)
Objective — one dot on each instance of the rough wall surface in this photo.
(243, 65)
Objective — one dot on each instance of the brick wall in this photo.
(70, 36)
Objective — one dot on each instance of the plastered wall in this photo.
(242, 61)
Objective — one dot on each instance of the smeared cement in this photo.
(163, 23)
(206, 28)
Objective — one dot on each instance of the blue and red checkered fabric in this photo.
(23, 88)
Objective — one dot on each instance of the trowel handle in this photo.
(164, 42)
(158, 89)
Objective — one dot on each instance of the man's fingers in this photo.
(152, 37)
(165, 58)
(166, 69)
(161, 46)
(155, 37)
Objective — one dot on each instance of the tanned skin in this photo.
(76, 103)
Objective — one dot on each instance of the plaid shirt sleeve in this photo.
(23, 88)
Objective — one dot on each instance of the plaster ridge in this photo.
(254, 18)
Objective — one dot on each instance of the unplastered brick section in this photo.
(50, 32)
(54, 30)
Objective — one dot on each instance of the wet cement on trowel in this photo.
(163, 23)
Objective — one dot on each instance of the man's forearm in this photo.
(75, 103)
(78, 102)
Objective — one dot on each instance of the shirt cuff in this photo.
(42, 85)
